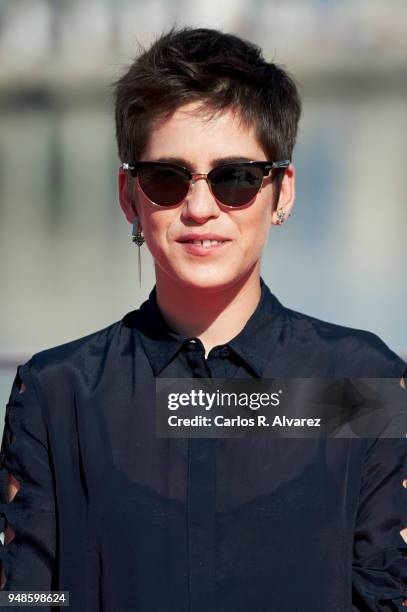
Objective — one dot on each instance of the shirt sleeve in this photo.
(28, 559)
(379, 555)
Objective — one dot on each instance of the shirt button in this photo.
(224, 351)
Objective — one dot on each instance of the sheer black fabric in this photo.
(129, 522)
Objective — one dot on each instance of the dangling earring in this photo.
(138, 238)
(281, 215)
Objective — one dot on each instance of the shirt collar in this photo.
(161, 343)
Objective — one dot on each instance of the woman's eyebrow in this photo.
(215, 162)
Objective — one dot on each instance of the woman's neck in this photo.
(215, 316)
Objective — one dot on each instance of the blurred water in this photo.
(68, 266)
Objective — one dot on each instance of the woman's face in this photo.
(199, 141)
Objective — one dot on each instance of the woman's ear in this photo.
(127, 201)
(286, 197)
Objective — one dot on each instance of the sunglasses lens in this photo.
(163, 186)
(236, 186)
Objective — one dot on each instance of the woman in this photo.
(98, 504)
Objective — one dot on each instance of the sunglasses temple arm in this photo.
(281, 164)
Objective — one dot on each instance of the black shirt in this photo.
(126, 521)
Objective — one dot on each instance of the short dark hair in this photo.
(219, 70)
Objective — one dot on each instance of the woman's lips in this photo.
(198, 249)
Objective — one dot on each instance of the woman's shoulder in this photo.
(83, 353)
(363, 349)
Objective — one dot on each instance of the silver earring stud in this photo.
(138, 239)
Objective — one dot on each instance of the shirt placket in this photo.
(201, 504)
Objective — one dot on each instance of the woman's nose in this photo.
(200, 203)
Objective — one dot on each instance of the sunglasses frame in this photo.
(264, 166)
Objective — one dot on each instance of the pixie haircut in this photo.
(219, 71)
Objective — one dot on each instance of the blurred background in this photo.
(67, 263)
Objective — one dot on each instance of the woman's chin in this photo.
(211, 282)
(205, 278)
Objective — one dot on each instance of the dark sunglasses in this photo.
(234, 184)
